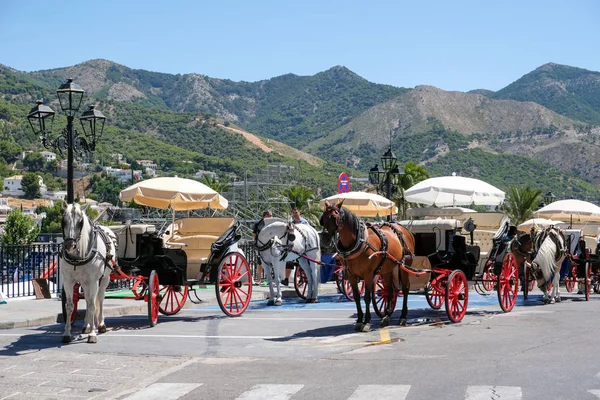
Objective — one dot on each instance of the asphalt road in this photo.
(301, 351)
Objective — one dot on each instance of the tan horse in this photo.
(367, 250)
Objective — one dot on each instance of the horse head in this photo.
(332, 217)
(76, 229)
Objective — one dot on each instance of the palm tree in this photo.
(215, 185)
(413, 174)
(521, 203)
(304, 199)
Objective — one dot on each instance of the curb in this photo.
(141, 307)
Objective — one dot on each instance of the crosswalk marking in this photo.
(380, 392)
(164, 391)
(493, 392)
(271, 392)
(595, 392)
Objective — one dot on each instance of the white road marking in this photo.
(380, 392)
(271, 392)
(164, 391)
(10, 395)
(494, 392)
(595, 392)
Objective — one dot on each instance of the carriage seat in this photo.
(198, 235)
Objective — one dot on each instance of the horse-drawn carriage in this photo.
(165, 265)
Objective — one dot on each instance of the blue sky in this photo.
(454, 45)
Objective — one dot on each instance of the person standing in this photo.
(257, 227)
(289, 266)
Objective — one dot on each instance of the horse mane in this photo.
(350, 219)
(86, 232)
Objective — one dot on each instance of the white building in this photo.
(12, 186)
(200, 173)
(49, 156)
(55, 195)
(124, 175)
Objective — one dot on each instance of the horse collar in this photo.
(359, 244)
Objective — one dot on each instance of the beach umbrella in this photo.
(177, 193)
(454, 190)
(363, 204)
(571, 209)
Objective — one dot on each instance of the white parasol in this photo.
(363, 204)
(578, 210)
(177, 193)
(454, 190)
(537, 223)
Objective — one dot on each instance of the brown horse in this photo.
(522, 247)
(366, 250)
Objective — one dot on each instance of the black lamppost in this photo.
(549, 198)
(387, 178)
(41, 119)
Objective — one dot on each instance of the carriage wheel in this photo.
(234, 284)
(434, 294)
(63, 300)
(587, 281)
(348, 289)
(153, 298)
(488, 278)
(570, 281)
(300, 283)
(457, 296)
(508, 283)
(172, 298)
(382, 296)
(139, 287)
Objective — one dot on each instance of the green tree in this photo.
(30, 184)
(34, 161)
(521, 203)
(52, 222)
(304, 199)
(413, 174)
(215, 185)
(19, 229)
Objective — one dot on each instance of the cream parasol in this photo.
(453, 191)
(538, 223)
(177, 193)
(574, 210)
(363, 204)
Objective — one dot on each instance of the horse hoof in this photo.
(525, 297)
(552, 301)
(92, 339)
(67, 339)
(402, 322)
(385, 322)
(86, 330)
(312, 300)
(277, 302)
(558, 299)
(358, 327)
(366, 328)
(270, 303)
(102, 329)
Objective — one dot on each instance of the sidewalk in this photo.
(29, 312)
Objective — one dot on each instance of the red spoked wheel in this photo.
(348, 289)
(172, 299)
(153, 298)
(489, 278)
(434, 293)
(571, 281)
(339, 278)
(457, 296)
(234, 284)
(139, 287)
(588, 270)
(300, 282)
(508, 283)
(382, 296)
(76, 297)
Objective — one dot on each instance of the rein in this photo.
(92, 251)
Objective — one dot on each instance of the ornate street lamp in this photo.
(41, 119)
(549, 198)
(387, 178)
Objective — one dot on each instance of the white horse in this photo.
(87, 255)
(550, 245)
(280, 241)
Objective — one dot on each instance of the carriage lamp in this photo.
(549, 198)
(41, 118)
(374, 174)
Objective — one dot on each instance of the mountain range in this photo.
(541, 130)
